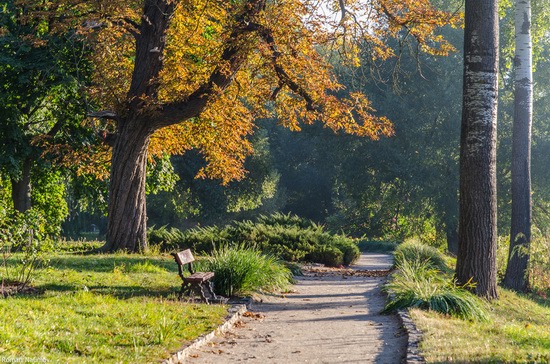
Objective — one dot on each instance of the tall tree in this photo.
(197, 74)
(516, 276)
(476, 259)
(39, 98)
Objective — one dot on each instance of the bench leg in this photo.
(202, 293)
(210, 287)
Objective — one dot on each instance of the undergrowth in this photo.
(241, 270)
(422, 280)
(287, 237)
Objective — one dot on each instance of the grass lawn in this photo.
(518, 332)
(114, 308)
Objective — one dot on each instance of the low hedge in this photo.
(287, 237)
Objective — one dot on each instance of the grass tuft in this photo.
(517, 332)
(241, 271)
(417, 284)
(415, 251)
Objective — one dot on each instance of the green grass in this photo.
(242, 271)
(417, 284)
(417, 251)
(518, 331)
(103, 308)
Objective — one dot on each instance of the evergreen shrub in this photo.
(287, 237)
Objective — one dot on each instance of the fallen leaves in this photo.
(344, 272)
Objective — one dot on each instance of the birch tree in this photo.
(516, 276)
(476, 259)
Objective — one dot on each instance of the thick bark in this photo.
(476, 259)
(127, 225)
(127, 215)
(516, 276)
(21, 188)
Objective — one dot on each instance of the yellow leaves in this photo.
(88, 159)
(220, 134)
(285, 73)
(113, 65)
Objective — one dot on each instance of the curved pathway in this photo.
(330, 318)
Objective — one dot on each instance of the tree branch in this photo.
(267, 36)
(104, 114)
(233, 58)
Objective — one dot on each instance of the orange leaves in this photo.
(273, 54)
(419, 19)
(194, 44)
(220, 134)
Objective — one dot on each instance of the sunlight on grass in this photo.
(103, 308)
(518, 331)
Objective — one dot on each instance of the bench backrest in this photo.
(184, 257)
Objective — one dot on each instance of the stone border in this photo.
(234, 314)
(414, 338)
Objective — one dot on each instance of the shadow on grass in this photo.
(107, 263)
(121, 292)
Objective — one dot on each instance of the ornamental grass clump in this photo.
(416, 251)
(417, 284)
(242, 270)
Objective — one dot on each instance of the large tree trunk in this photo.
(516, 276)
(127, 225)
(476, 259)
(21, 188)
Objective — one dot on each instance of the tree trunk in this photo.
(516, 276)
(476, 259)
(21, 188)
(127, 225)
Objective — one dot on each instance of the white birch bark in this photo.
(520, 229)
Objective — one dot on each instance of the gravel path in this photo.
(332, 318)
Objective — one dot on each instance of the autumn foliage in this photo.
(172, 76)
(284, 72)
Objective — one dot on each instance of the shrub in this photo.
(348, 247)
(287, 220)
(166, 239)
(327, 255)
(23, 241)
(377, 246)
(418, 284)
(416, 251)
(242, 270)
(287, 237)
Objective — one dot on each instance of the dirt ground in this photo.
(332, 317)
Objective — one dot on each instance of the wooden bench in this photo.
(197, 282)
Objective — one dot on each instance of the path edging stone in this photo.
(414, 338)
(234, 314)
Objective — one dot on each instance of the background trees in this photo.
(211, 67)
(41, 108)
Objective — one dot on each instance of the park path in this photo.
(330, 318)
